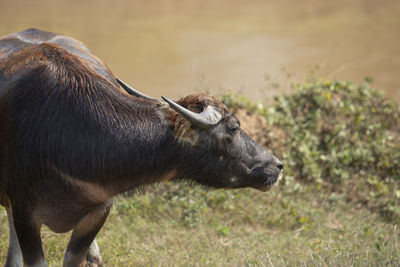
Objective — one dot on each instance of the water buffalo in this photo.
(72, 138)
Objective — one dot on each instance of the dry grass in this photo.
(236, 228)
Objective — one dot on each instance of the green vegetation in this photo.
(341, 137)
(338, 204)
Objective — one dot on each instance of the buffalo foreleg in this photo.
(14, 254)
(83, 236)
(27, 229)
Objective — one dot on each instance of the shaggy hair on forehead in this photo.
(182, 128)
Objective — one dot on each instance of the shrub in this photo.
(342, 137)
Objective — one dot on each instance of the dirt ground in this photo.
(257, 127)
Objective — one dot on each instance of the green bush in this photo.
(342, 137)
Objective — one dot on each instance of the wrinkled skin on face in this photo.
(241, 161)
(223, 155)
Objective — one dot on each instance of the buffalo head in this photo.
(213, 150)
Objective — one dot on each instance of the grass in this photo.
(318, 216)
(242, 227)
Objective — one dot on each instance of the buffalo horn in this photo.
(205, 119)
(134, 92)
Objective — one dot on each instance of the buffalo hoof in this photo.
(93, 258)
(93, 262)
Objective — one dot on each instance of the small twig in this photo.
(395, 241)
(283, 261)
(312, 257)
(269, 259)
(245, 258)
(260, 261)
(334, 256)
(395, 237)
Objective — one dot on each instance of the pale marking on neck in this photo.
(91, 191)
(168, 175)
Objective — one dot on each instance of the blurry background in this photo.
(339, 203)
(174, 47)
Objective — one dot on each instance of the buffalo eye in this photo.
(234, 130)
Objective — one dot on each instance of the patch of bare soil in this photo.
(272, 138)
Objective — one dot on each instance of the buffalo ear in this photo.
(182, 129)
(205, 119)
(198, 108)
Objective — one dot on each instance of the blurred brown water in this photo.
(174, 47)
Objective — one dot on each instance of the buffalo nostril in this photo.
(280, 166)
